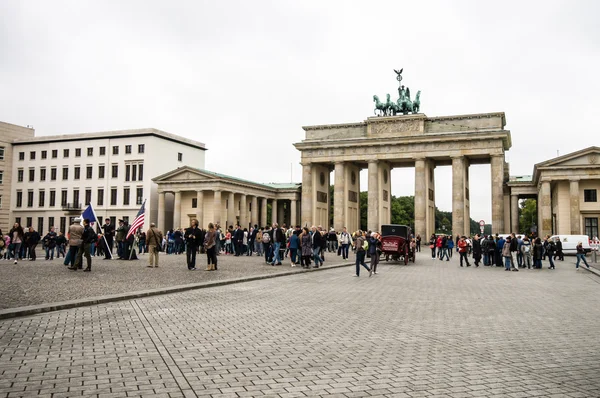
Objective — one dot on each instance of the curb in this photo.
(63, 305)
(592, 269)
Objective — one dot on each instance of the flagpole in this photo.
(136, 233)
(103, 236)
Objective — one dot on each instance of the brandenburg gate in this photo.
(408, 140)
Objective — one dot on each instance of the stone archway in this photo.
(382, 143)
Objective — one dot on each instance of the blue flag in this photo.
(89, 214)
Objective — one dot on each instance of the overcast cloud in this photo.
(244, 76)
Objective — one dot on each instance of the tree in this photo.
(527, 215)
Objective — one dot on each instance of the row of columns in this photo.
(276, 211)
(379, 195)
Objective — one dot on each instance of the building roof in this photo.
(112, 134)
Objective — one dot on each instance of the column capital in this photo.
(574, 179)
(514, 194)
(373, 161)
(419, 157)
(341, 162)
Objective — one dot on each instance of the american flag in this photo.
(138, 222)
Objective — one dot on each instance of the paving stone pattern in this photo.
(427, 330)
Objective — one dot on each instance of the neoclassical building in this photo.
(187, 192)
(566, 189)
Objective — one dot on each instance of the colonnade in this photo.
(222, 207)
(347, 187)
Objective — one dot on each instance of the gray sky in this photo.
(243, 77)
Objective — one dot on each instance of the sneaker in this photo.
(370, 273)
(375, 273)
(15, 261)
(516, 270)
(587, 266)
(356, 275)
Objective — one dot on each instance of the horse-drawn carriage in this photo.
(395, 243)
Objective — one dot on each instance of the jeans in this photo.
(551, 259)
(293, 253)
(360, 260)
(16, 250)
(526, 260)
(444, 253)
(120, 249)
(258, 248)
(49, 253)
(537, 263)
(141, 246)
(433, 252)
(520, 259)
(73, 255)
(463, 255)
(317, 256)
(486, 259)
(276, 247)
(507, 263)
(191, 256)
(267, 250)
(345, 250)
(581, 256)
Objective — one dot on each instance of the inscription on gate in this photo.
(353, 196)
(321, 197)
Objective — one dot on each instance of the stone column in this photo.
(306, 212)
(231, 209)
(497, 169)
(373, 197)
(458, 195)
(293, 208)
(200, 209)
(273, 211)
(263, 212)
(339, 204)
(575, 210)
(217, 206)
(161, 211)
(514, 213)
(254, 213)
(243, 211)
(420, 198)
(177, 210)
(545, 203)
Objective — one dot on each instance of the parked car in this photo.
(569, 243)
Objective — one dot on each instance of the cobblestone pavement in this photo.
(41, 281)
(427, 330)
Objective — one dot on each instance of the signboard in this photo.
(481, 225)
(389, 245)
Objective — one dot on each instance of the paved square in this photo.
(427, 330)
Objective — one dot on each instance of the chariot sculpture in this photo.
(403, 104)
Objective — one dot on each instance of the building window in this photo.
(43, 174)
(65, 153)
(115, 150)
(113, 196)
(88, 197)
(32, 155)
(591, 227)
(0, 201)
(19, 201)
(194, 203)
(125, 196)
(1, 177)
(29, 221)
(44, 154)
(90, 151)
(63, 197)
(20, 175)
(76, 198)
(63, 224)
(141, 148)
(115, 171)
(127, 172)
(180, 157)
(29, 198)
(18, 220)
(139, 196)
(128, 149)
(140, 172)
(88, 172)
(41, 225)
(77, 152)
(101, 171)
(1, 153)
(52, 199)
(589, 195)
(65, 173)
(21, 155)
(77, 173)
(102, 150)
(133, 172)
(54, 153)
(42, 198)
(100, 197)
(31, 175)
(50, 222)
(53, 174)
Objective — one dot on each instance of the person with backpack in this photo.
(360, 253)
(345, 243)
(526, 252)
(506, 254)
(266, 243)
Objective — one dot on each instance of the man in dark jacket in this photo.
(50, 243)
(317, 243)
(476, 250)
(192, 237)
(32, 240)
(277, 240)
(238, 240)
(109, 233)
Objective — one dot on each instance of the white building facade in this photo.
(54, 178)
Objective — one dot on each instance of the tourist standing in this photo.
(120, 238)
(108, 231)
(306, 248)
(449, 245)
(74, 235)
(87, 237)
(266, 242)
(61, 242)
(317, 243)
(345, 243)
(526, 252)
(476, 250)
(154, 238)
(559, 250)
(33, 238)
(581, 256)
(506, 253)
(192, 238)
(550, 249)
(432, 245)
(538, 252)
(210, 246)
(50, 243)
(278, 239)
(463, 248)
(418, 243)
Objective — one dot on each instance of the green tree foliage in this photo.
(527, 215)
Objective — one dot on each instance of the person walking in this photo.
(32, 241)
(210, 247)
(581, 256)
(192, 238)
(154, 238)
(87, 237)
(374, 242)
(550, 250)
(559, 250)
(445, 248)
(463, 248)
(449, 245)
(360, 253)
(16, 235)
(50, 243)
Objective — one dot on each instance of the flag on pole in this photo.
(90, 214)
(138, 222)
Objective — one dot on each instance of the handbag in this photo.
(431, 246)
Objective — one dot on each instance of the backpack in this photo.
(526, 248)
(266, 238)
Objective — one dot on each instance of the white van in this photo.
(569, 243)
